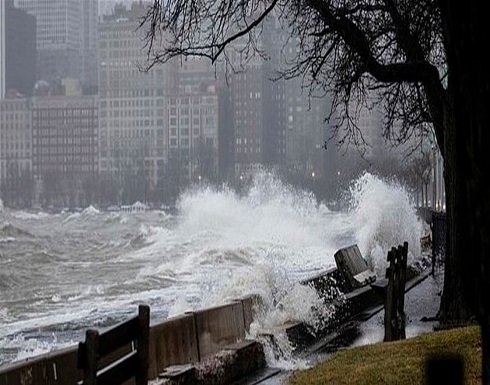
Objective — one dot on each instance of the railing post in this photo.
(394, 320)
(143, 344)
(396, 295)
(91, 348)
(403, 254)
(388, 321)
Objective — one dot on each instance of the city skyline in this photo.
(153, 132)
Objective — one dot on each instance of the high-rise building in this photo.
(247, 92)
(226, 134)
(66, 32)
(58, 38)
(89, 22)
(133, 141)
(2, 50)
(193, 123)
(19, 57)
(258, 108)
(306, 130)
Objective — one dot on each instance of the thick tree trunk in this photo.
(466, 28)
(455, 307)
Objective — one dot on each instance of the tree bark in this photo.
(454, 307)
(466, 28)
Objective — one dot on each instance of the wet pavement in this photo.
(421, 306)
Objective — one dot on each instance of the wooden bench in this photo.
(118, 354)
(353, 268)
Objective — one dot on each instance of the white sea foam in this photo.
(90, 210)
(31, 347)
(218, 247)
(385, 218)
(279, 353)
(25, 215)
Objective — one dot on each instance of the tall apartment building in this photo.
(193, 121)
(226, 134)
(20, 50)
(15, 151)
(247, 90)
(133, 130)
(17, 50)
(66, 32)
(90, 17)
(306, 131)
(258, 109)
(65, 148)
(2, 50)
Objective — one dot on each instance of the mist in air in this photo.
(94, 267)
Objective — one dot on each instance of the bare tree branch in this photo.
(348, 49)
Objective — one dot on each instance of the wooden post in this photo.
(389, 298)
(91, 348)
(401, 299)
(143, 344)
(433, 260)
(394, 319)
(396, 295)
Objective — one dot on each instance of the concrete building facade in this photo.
(133, 131)
(58, 37)
(65, 147)
(306, 133)
(247, 95)
(193, 114)
(66, 39)
(20, 50)
(3, 64)
(193, 133)
(15, 151)
(89, 34)
(258, 105)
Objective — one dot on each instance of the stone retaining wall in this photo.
(191, 338)
(184, 339)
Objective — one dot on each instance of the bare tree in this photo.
(467, 158)
(413, 54)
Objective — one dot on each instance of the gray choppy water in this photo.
(63, 273)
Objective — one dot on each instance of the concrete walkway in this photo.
(421, 303)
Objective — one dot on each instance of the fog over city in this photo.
(183, 186)
(82, 124)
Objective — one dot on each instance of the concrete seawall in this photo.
(59, 367)
(194, 337)
(185, 339)
(173, 342)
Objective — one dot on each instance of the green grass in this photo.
(400, 362)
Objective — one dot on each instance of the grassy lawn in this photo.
(400, 362)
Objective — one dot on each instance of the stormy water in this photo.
(63, 273)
